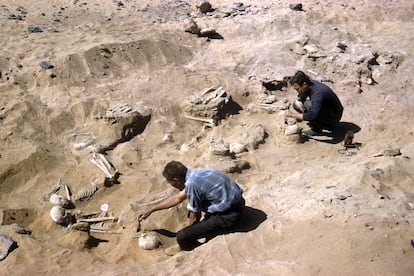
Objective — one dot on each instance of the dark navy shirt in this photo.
(210, 190)
(322, 98)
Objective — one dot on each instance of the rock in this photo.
(218, 147)
(232, 166)
(292, 129)
(32, 29)
(46, 65)
(342, 46)
(289, 133)
(192, 27)
(6, 245)
(237, 148)
(76, 240)
(210, 103)
(204, 6)
(124, 121)
(388, 152)
(296, 7)
(207, 32)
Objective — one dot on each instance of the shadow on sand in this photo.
(337, 133)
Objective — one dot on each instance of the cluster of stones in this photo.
(208, 105)
(125, 122)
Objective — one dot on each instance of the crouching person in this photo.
(207, 190)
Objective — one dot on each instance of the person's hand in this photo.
(144, 214)
(289, 113)
(299, 105)
(297, 116)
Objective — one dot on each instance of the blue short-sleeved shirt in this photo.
(210, 190)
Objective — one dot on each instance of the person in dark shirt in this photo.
(207, 190)
(316, 103)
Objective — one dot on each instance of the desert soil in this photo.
(117, 77)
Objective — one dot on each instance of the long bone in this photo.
(210, 122)
(99, 160)
(106, 163)
(100, 166)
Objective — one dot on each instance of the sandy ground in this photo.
(119, 75)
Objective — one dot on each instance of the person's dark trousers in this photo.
(209, 226)
(326, 120)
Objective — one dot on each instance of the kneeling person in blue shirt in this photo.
(207, 190)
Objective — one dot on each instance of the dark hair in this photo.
(300, 78)
(174, 169)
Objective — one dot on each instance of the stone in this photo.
(6, 245)
(296, 7)
(204, 6)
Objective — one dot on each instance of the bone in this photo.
(106, 163)
(88, 214)
(101, 164)
(59, 200)
(148, 241)
(98, 229)
(86, 192)
(68, 194)
(208, 90)
(57, 213)
(93, 220)
(388, 152)
(210, 122)
(103, 230)
(54, 191)
(269, 108)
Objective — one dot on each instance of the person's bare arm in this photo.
(194, 217)
(165, 204)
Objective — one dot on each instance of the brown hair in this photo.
(300, 78)
(174, 169)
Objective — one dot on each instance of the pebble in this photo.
(46, 65)
(342, 197)
(296, 7)
(370, 227)
(32, 29)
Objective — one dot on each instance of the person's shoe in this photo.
(172, 250)
(311, 132)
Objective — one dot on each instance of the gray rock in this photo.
(296, 7)
(6, 245)
(32, 29)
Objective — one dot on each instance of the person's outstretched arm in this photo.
(165, 204)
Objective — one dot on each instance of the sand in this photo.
(119, 76)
